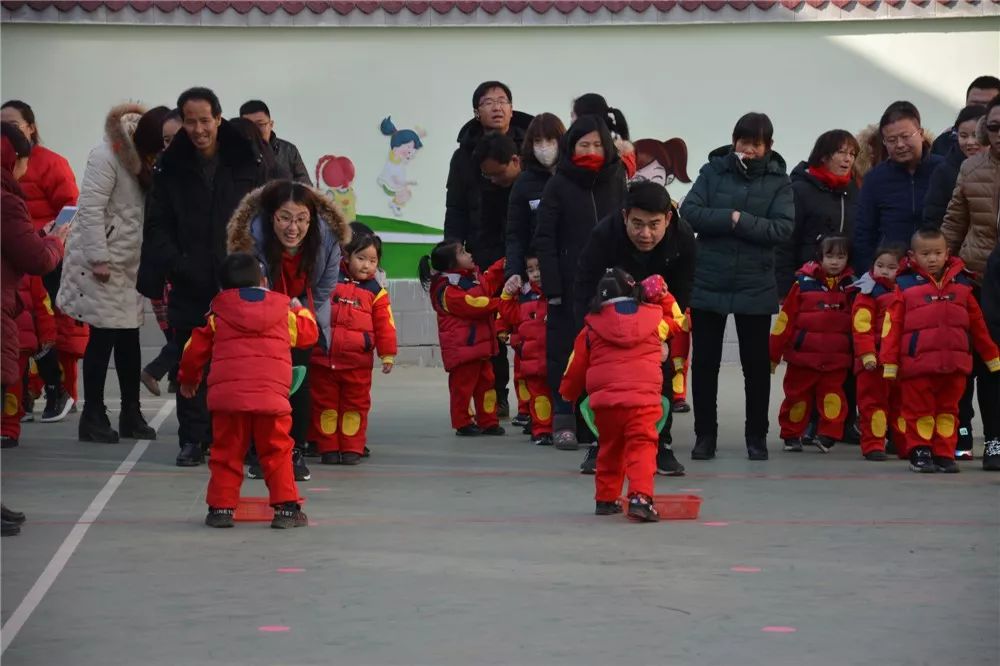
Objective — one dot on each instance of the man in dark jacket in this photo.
(285, 153)
(979, 93)
(891, 203)
(647, 238)
(199, 181)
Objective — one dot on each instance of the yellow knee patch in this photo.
(797, 412)
(9, 404)
(522, 390)
(328, 421)
(831, 405)
(490, 401)
(351, 424)
(543, 408)
(946, 425)
(925, 427)
(878, 423)
(901, 424)
(678, 383)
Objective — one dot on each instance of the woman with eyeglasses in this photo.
(296, 233)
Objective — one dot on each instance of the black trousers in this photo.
(561, 329)
(124, 343)
(166, 361)
(987, 388)
(501, 374)
(194, 423)
(707, 332)
(301, 401)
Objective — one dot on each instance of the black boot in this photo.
(95, 426)
(757, 448)
(8, 528)
(11, 516)
(704, 447)
(132, 424)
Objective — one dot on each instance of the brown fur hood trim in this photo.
(121, 143)
(873, 152)
(238, 229)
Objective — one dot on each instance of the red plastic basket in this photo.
(675, 507)
(255, 510)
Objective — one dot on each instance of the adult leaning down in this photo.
(296, 233)
(588, 185)
(742, 208)
(101, 265)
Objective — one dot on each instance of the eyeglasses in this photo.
(284, 220)
(993, 128)
(490, 103)
(846, 153)
(893, 140)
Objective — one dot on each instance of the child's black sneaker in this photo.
(641, 509)
(876, 456)
(922, 461)
(666, 462)
(991, 456)
(57, 404)
(330, 458)
(8, 442)
(824, 443)
(793, 445)
(946, 465)
(542, 440)
(350, 458)
(254, 471)
(495, 431)
(471, 430)
(289, 515)
(680, 407)
(219, 517)
(589, 464)
(299, 466)
(607, 508)
(521, 420)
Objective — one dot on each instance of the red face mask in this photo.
(591, 161)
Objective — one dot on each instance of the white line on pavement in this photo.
(69, 545)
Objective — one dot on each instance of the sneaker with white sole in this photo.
(991, 456)
(57, 405)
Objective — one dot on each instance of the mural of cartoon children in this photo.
(403, 147)
(336, 173)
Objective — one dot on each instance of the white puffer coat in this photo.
(107, 229)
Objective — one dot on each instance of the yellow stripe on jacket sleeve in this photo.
(293, 327)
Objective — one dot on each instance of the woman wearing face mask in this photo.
(742, 207)
(592, 104)
(539, 154)
(970, 142)
(589, 184)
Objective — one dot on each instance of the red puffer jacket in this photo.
(466, 314)
(617, 356)
(48, 185)
(932, 324)
(36, 325)
(71, 335)
(525, 315)
(813, 329)
(870, 317)
(248, 337)
(361, 323)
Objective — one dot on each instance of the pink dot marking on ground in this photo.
(717, 523)
(319, 490)
(779, 630)
(273, 628)
(740, 569)
(291, 570)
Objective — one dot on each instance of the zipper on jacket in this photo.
(842, 211)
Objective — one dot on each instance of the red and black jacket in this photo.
(871, 320)
(361, 323)
(524, 314)
(466, 309)
(36, 325)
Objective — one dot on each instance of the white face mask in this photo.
(547, 152)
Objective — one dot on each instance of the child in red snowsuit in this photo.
(523, 309)
(466, 306)
(813, 333)
(36, 330)
(875, 291)
(361, 323)
(249, 332)
(618, 358)
(928, 349)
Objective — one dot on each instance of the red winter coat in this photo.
(870, 317)
(466, 314)
(23, 251)
(361, 323)
(617, 356)
(37, 323)
(48, 185)
(71, 334)
(813, 329)
(933, 323)
(525, 315)
(248, 335)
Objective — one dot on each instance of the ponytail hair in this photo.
(615, 283)
(592, 104)
(442, 258)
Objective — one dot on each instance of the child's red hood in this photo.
(625, 322)
(251, 309)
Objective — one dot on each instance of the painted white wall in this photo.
(328, 89)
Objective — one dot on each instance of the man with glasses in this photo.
(475, 206)
(197, 184)
(285, 152)
(891, 203)
(979, 93)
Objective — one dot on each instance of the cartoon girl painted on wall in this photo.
(403, 147)
(661, 161)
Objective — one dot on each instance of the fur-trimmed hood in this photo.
(239, 235)
(118, 137)
(873, 152)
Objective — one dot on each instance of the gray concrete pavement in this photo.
(447, 551)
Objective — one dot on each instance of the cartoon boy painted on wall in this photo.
(403, 147)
